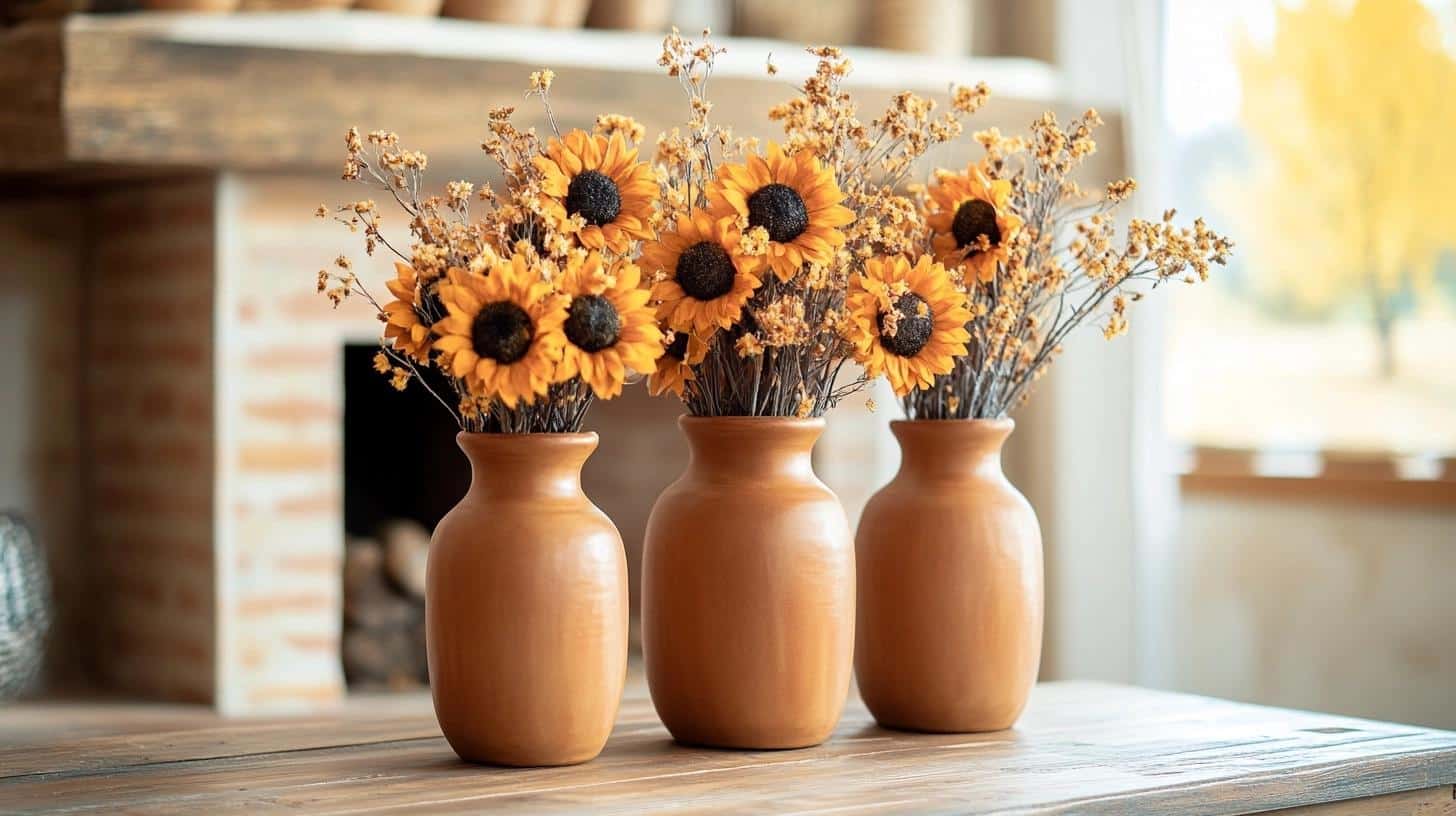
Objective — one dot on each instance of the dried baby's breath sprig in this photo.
(1065, 265)
(609, 124)
(685, 162)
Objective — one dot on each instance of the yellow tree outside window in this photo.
(1352, 112)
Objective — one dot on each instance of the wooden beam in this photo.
(272, 91)
(32, 130)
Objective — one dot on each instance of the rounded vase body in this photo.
(526, 606)
(748, 590)
(950, 584)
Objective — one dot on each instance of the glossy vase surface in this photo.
(748, 589)
(950, 584)
(526, 606)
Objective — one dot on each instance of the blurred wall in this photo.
(40, 399)
(1315, 604)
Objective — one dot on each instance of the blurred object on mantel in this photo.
(941, 27)
(14, 11)
(25, 607)
(41, 9)
(565, 13)
(410, 8)
(797, 22)
(201, 6)
(291, 5)
(631, 15)
(384, 611)
(513, 12)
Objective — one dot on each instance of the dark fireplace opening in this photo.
(402, 473)
(400, 456)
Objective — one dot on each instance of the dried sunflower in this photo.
(793, 197)
(599, 179)
(971, 223)
(675, 366)
(402, 323)
(906, 322)
(705, 280)
(609, 326)
(503, 330)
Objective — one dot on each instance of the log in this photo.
(406, 550)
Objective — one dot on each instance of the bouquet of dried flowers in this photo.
(779, 263)
(516, 319)
(1037, 256)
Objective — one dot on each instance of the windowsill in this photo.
(1320, 475)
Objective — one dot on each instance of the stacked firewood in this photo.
(384, 608)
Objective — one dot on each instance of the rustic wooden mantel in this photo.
(1080, 748)
(263, 91)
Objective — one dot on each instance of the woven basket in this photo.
(25, 607)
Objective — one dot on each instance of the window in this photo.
(1317, 134)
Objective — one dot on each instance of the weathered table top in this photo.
(1080, 748)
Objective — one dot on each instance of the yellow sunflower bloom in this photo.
(609, 326)
(906, 322)
(402, 323)
(707, 280)
(599, 179)
(971, 223)
(503, 330)
(675, 366)
(793, 197)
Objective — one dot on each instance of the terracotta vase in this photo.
(526, 606)
(748, 590)
(950, 584)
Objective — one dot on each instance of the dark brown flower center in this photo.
(779, 209)
(592, 323)
(678, 348)
(973, 219)
(912, 330)
(502, 331)
(705, 271)
(594, 197)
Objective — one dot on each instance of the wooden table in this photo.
(1080, 748)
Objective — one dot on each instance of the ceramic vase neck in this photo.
(751, 448)
(532, 466)
(951, 448)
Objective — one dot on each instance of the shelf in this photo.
(277, 90)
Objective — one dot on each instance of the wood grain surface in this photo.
(278, 90)
(1080, 748)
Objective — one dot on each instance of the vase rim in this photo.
(989, 424)
(692, 420)
(563, 439)
(945, 430)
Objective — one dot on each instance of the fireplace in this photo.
(402, 473)
(400, 457)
